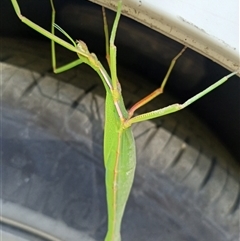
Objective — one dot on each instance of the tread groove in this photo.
(91, 88)
(172, 135)
(236, 203)
(194, 165)
(31, 87)
(75, 103)
(209, 174)
(179, 155)
(149, 139)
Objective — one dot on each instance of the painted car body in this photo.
(209, 27)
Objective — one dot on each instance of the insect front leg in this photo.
(40, 29)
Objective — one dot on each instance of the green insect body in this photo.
(119, 149)
(120, 163)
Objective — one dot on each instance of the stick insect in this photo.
(119, 145)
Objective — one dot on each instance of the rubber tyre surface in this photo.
(186, 186)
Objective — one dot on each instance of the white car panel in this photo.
(210, 27)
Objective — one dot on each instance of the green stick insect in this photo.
(119, 145)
